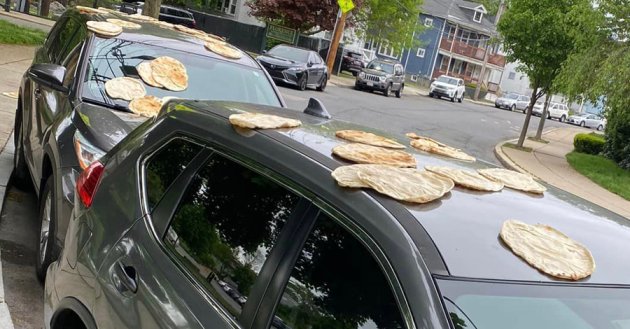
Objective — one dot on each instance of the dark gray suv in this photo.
(192, 223)
(382, 75)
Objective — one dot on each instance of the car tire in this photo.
(431, 95)
(600, 128)
(399, 91)
(513, 108)
(322, 85)
(21, 176)
(45, 242)
(303, 82)
(562, 118)
(453, 99)
(582, 124)
(387, 90)
(497, 106)
(461, 98)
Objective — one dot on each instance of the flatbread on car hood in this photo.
(368, 138)
(513, 179)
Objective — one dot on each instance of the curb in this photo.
(5, 316)
(505, 160)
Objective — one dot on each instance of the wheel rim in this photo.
(303, 83)
(324, 82)
(45, 228)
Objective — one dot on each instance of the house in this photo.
(237, 10)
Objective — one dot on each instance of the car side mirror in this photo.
(49, 75)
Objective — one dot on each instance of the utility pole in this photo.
(483, 72)
(334, 44)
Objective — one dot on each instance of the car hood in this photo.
(279, 62)
(443, 85)
(504, 99)
(376, 72)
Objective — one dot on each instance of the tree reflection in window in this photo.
(336, 283)
(225, 227)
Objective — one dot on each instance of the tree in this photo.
(152, 8)
(538, 34)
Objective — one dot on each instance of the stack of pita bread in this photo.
(432, 146)
(164, 72)
(104, 29)
(262, 121)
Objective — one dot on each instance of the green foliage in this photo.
(588, 143)
(618, 135)
(17, 35)
(603, 172)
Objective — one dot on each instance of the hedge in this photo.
(589, 143)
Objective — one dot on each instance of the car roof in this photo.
(156, 35)
(464, 225)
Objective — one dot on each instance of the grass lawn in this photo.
(602, 171)
(17, 35)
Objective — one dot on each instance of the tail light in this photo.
(88, 182)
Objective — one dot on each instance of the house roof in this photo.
(462, 13)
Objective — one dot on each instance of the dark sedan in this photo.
(191, 223)
(353, 62)
(65, 120)
(295, 66)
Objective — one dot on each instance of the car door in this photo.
(314, 70)
(397, 78)
(461, 89)
(592, 121)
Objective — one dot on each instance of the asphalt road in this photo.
(473, 128)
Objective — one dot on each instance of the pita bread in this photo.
(106, 29)
(467, 178)
(262, 121)
(170, 73)
(109, 10)
(432, 146)
(224, 50)
(148, 106)
(548, 250)
(145, 72)
(405, 185)
(513, 179)
(124, 24)
(143, 18)
(188, 30)
(125, 88)
(368, 138)
(347, 176)
(362, 153)
(90, 10)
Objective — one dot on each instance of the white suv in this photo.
(449, 87)
(556, 111)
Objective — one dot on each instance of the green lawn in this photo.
(602, 171)
(17, 35)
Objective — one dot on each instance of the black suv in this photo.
(192, 223)
(65, 119)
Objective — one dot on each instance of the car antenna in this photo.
(317, 109)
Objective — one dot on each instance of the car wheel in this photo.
(302, 82)
(354, 73)
(387, 90)
(21, 175)
(453, 99)
(322, 85)
(431, 95)
(600, 128)
(461, 98)
(47, 211)
(582, 124)
(399, 91)
(497, 106)
(562, 118)
(513, 108)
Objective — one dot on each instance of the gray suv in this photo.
(382, 75)
(192, 223)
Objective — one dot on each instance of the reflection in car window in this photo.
(225, 227)
(165, 165)
(207, 78)
(70, 63)
(380, 66)
(336, 283)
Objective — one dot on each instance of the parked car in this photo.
(168, 14)
(261, 208)
(588, 120)
(513, 102)
(353, 62)
(295, 66)
(554, 111)
(448, 87)
(382, 75)
(65, 120)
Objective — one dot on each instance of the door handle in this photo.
(125, 278)
(37, 93)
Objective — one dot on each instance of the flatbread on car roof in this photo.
(368, 138)
(430, 145)
(143, 18)
(90, 10)
(125, 88)
(223, 49)
(148, 106)
(170, 73)
(362, 153)
(106, 29)
(467, 178)
(262, 121)
(513, 179)
(548, 250)
(404, 184)
(124, 24)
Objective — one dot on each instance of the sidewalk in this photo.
(548, 163)
(27, 20)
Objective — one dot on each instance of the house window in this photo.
(386, 51)
(428, 22)
(451, 32)
(478, 16)
(512, 75)
(227, 6)
(420, 52)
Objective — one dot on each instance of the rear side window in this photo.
(165, 165)
(336, 283)
(66, 34)
(225, 227)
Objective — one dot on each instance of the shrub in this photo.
(589, 143)
(618, 136)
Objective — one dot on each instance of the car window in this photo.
(56, 51)
(225, 227)
(381, 66)
(316, 58)
(54, 33)
(70, 63)
(165, 165)
(291, 53)
(336, 283)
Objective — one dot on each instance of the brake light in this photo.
(88, 182)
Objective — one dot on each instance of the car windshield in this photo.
(492, 305)
(355, 55)
(208, 78)
(447, 80)
(293, 54)
(511, 96)
(380, 66)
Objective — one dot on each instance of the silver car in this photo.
(588, 120)
(513, 102)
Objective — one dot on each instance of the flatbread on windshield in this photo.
(368, 138)
(548, 250)
(430, 145)
(146, 73)
(143, 18)
(125, 88)
(90, 10)
(467, 178)
(223, 49)
(262, 121)
(362, 153)
(106, 29)
(404, 184)
(170, 73)
(148, 106)
(124, 24)
(513, 179)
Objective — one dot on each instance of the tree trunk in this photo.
(543, 116)
(528, 116)
(152, 8)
